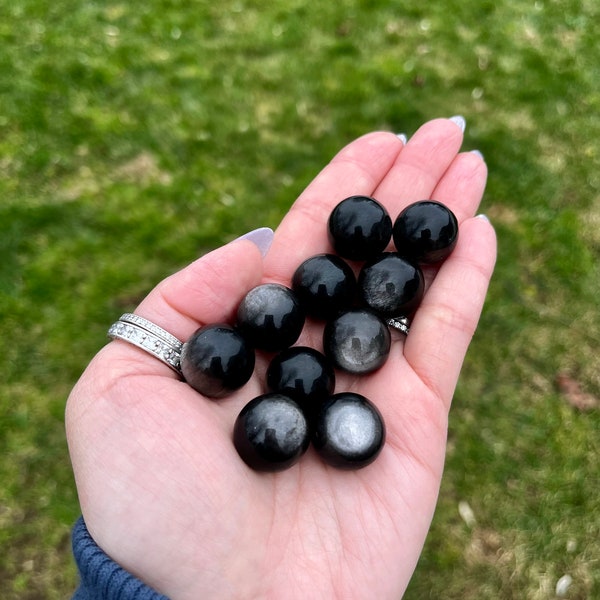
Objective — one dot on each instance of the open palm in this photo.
(162, 489)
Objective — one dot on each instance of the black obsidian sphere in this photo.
(390, 285)
(271, 433)
(349, 431)
(217, 360)
(357, 341)
(325, 285)
(302, 373)
(359, 228)
(426, 232)
(270, 317)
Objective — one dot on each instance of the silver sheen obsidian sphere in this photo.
(216, 360)
(391, 285)
(304, 374)
(359, 228)
(325, 285)
(270, 317)
(271, 433)
(357, 341)
(349, 431)
(426, 232)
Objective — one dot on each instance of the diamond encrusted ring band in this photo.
(149, 337)
(400, 323)
(151, 327)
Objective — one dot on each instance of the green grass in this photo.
(135, 137)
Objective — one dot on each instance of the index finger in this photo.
(356, 170)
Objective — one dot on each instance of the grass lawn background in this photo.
(136, 136)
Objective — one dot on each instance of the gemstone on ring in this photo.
(402, 324)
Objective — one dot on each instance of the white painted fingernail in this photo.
(402, 138)
(477, 153)
(459, 121)
(483, 217)
(262, 238)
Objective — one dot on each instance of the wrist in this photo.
(100, 577)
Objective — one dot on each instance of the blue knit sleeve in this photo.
(100, 577)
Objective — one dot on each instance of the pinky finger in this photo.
(446, 320)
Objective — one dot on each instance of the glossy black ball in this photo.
(304, 374)
(357, 341)
(349, 431)
(325, 285)
(426, 232)
(359, 228)
(271, 433)
(390, 285)
(217, 360)
(270, 317)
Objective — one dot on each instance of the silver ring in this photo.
(402, 324)
(151, 327)
(149, 337)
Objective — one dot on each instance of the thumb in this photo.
(206, 291)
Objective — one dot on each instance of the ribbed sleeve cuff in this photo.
(100, 577)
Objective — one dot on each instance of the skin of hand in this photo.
(161, 487)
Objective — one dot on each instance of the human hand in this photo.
(162, 489)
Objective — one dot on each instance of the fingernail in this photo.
(402, 138)
(262, 238)
(460, 121)
(483, 217)
(477, 153)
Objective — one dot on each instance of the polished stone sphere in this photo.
(357, 341)
(217, 360)
(270, 317)
(426, 232)
(302, 373)
(325, 285)
(271, 433)
(349, 431)
(359, 228)
(390, 285)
